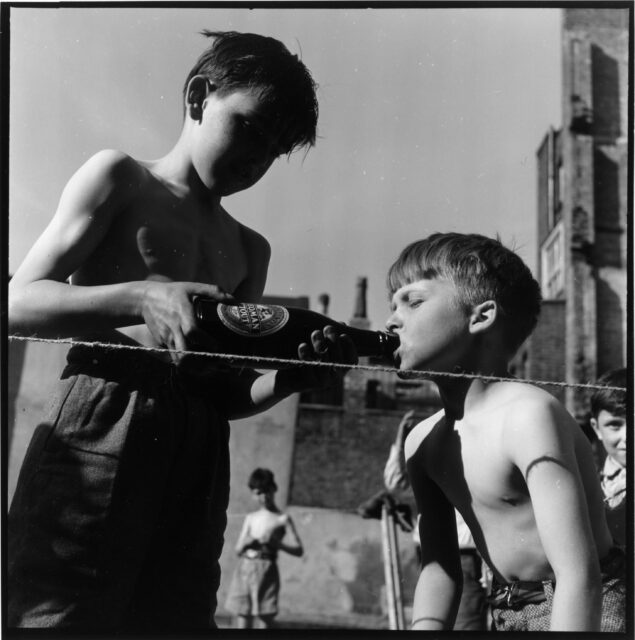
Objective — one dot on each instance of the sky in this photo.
(429, 121)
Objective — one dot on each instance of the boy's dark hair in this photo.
(262, 479)
(481, 269)
(611, 400)
(282, 82)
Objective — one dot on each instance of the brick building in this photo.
(343, 435)
(583, 186)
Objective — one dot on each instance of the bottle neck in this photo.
(373, 343)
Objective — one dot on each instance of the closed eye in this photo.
(251, 129)
(260, 138)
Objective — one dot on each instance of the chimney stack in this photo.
(324, 300)
(359, 319)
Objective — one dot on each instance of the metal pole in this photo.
(396, 571)
(388, 571)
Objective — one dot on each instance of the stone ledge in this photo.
(318, 621)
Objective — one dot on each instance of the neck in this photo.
(176, 168)
(269, 505)
(456, 392)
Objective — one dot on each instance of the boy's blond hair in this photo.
(480, 268)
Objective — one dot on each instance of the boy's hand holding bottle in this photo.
(327, 345)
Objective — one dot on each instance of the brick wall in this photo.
(340, 452)
(547, 359)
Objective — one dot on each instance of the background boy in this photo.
(608, 420)
(505, 454)
(253, 593)
(119, 514)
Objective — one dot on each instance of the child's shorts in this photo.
(254, 588)
(526, 606)
(118, 518)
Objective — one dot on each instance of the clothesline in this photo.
(256, 360)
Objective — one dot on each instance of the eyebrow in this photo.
(403, 293)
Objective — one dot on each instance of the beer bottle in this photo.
(274, 331)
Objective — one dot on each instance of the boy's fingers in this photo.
(178, 339)
(320, 343)
(305, 352)
(211, 291)
(349, 352)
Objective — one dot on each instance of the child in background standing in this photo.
(253, 593)
(608, 419)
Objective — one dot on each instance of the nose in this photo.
(392, 324)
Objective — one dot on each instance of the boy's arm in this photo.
(246, 392)
(258, 253)
(540, 441)
(438, 590)
(294, 548)
(244, 539)
(395, 474)
(41, 302)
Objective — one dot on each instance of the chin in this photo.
(234, 188)
(620, 459)
(406, 369)
(407, 363)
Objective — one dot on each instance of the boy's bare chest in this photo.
(471, 469)
(266, 525)
(161, 241)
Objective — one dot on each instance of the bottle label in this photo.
(253, 320)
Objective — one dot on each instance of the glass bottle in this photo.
(274, 331)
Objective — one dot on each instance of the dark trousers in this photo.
(118, 518)
(472, 612)
(526, 606)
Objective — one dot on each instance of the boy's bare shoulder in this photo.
(420, 432)
(109, 171)
(116, 164)
(251, 239)
(516, 397)
(527, 412)
(255, 242)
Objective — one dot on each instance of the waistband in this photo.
(518, 593)
(141, 368)
(120, 364)
(260, 554)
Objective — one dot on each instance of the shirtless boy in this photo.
(253, 593)
(505, 454)
(119, 514)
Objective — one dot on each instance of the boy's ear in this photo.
(483, 316)
(596, 428)
(198, 88)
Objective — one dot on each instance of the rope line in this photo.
(311, 363)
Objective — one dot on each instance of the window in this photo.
(552, 264)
